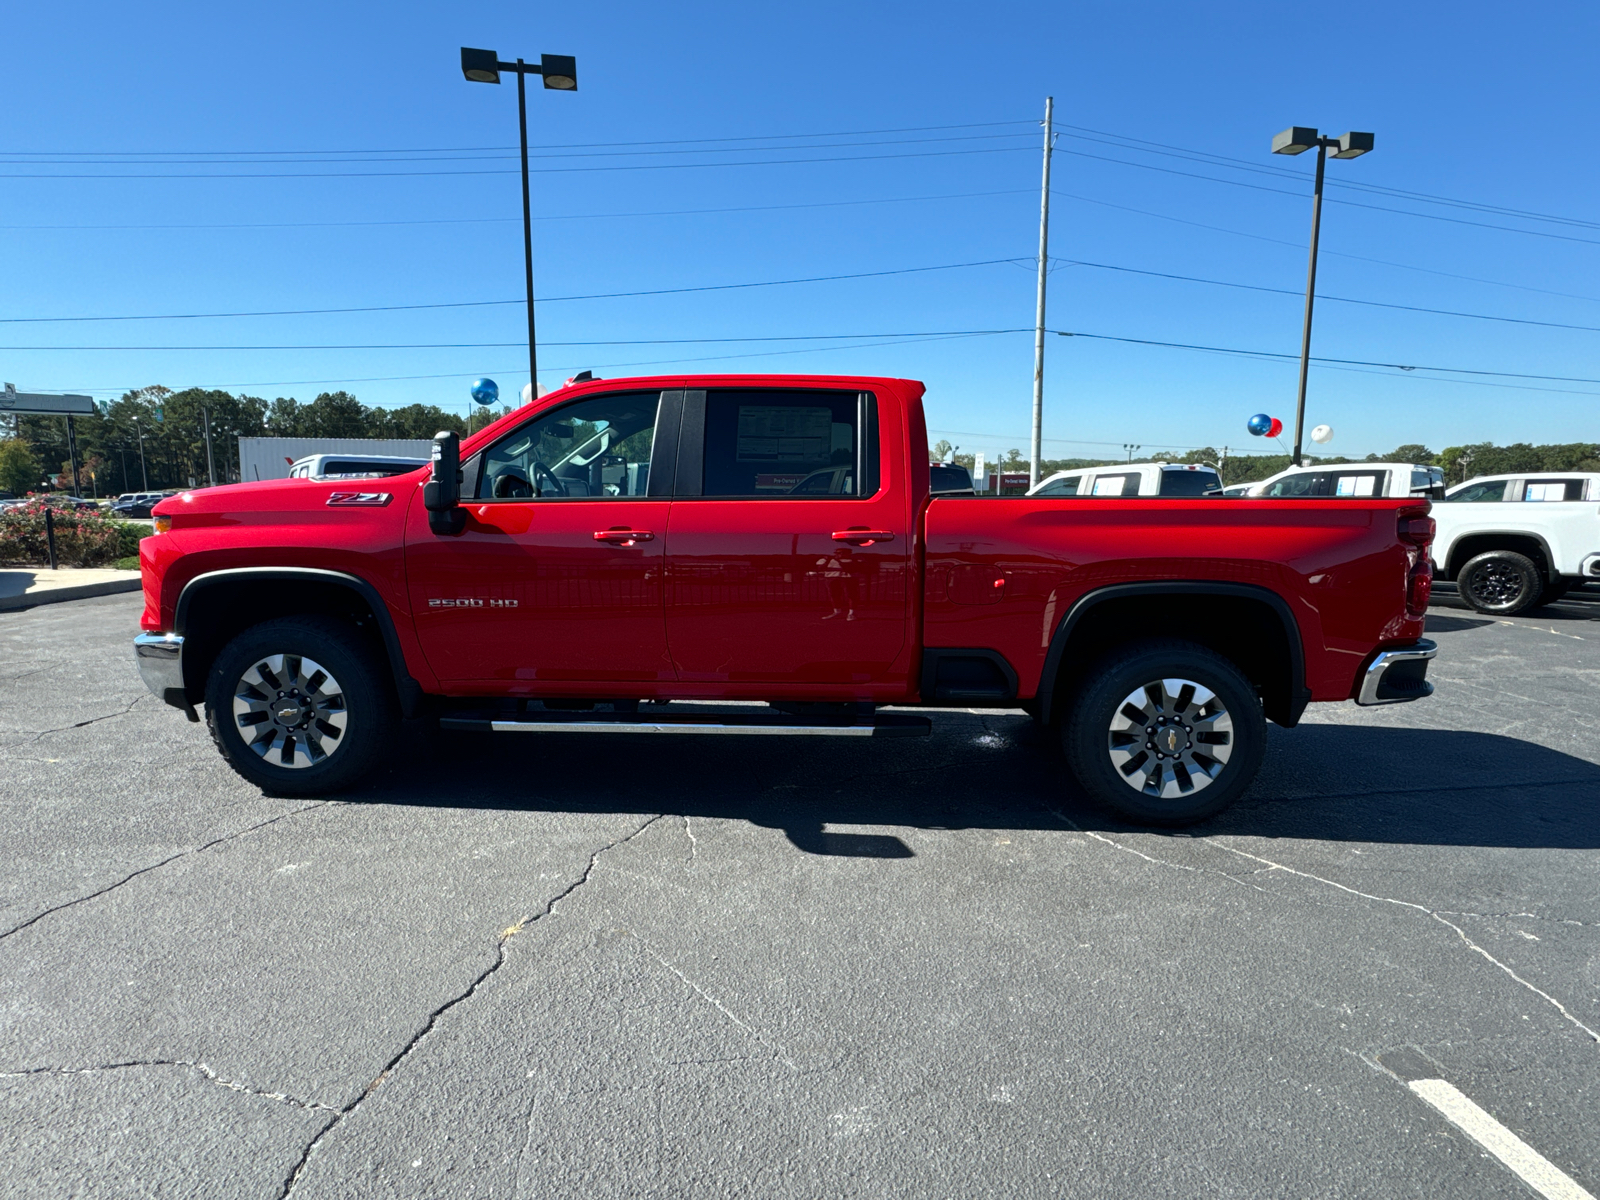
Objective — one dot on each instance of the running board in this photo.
(881, 726)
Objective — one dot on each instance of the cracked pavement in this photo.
(727, 967)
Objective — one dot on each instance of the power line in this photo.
(668, 212)
(767, 162)
(306, 312)
(1358, 362)
(1300, 246)
(1381, 189)
(813, 337)
(772, 137)
(455, 157)
(1255, 287)
(1258, 187)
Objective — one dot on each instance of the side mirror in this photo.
(441, 495)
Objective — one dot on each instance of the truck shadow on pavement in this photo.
(1325, 782)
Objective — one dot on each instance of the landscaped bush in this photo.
(84, 538)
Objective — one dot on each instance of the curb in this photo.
(81, 591)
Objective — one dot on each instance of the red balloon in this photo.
(1275, 428)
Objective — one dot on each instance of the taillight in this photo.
(1417, 531)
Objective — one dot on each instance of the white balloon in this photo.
(527, 392)
(1322, 433)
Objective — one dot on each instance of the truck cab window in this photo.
(1125, 484)
(1552, 489)
(1061, 487)
(1479, 493)
(593, 448)
(770, 444)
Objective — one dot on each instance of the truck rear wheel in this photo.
(299, 707)
(1166, 733)
(1500, 582)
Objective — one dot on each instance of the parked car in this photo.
(1354, 480)
(352, 466)
(506, 590)
(135, 505)
(1234, 491)
(1141, 479)
(1511, 542)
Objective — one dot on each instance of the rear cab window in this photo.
(1188, 483)
(1061, 487)
(776, 444)
(1357, 483)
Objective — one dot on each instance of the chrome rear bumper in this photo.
(160, 660)
(1398, 675)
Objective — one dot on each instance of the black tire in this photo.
(349, 716)
(1215, 754)
(1500, 582)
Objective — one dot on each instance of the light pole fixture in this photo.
(1297, 140)
(1130, 448)
(560, 72)
(144, 475)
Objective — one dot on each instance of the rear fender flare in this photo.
(1299, 695)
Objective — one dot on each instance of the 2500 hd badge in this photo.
(471, 603)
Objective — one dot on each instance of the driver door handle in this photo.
(863, 537)
(623, 537)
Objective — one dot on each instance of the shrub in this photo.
(84, 538)
(129, 535)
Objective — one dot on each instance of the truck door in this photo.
(558, 576)
(787, 560)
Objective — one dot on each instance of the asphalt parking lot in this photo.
(560, 966)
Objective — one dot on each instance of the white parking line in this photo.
(1536, 1171)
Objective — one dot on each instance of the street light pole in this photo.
(560, 72)
(1297, 140)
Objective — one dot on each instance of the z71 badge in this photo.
(472, 603)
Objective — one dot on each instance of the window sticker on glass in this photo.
(1110, 486)
(782, 433)
(1356, 485)
(1556, 490)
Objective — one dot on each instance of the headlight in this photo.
(163, 524)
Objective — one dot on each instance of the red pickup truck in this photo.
(629, 555)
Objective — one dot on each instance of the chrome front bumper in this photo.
(160, 659)
(1396, 676)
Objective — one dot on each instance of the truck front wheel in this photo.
(299, 707)
(1500, 582)
(1165, 733)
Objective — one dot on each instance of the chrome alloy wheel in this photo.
(1170, 738)
(290, 710)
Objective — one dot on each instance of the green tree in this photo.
(19, 467)
(941, 450)
(335, 415)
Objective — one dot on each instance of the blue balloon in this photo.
(486, 392)
(1260, 425)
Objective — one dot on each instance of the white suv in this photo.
(1137, 479)
(1511, 542)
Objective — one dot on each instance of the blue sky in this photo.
(224, 159)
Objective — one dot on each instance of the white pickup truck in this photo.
(1511, 542)
(1135, 479)
(1353, 479)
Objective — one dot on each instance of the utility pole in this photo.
(211, 471)
(1044, 270)
(144, 474)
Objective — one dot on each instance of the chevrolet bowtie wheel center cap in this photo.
(1170, 738)
(290, 710)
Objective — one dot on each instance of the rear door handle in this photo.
(623, 537)
(863, 537)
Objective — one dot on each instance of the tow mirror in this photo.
(441, 495)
